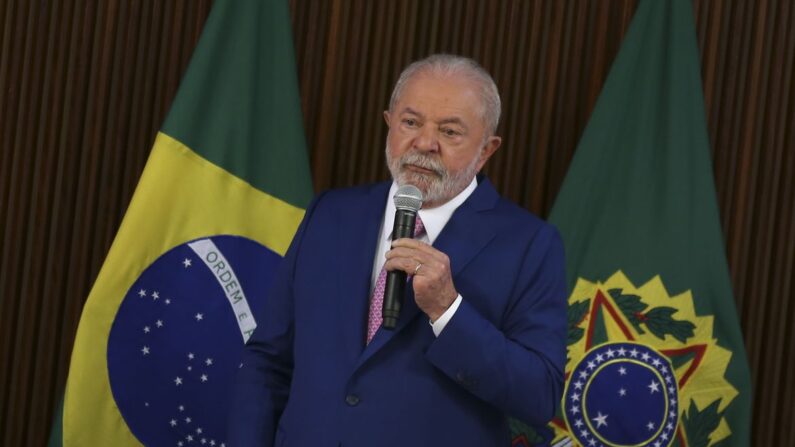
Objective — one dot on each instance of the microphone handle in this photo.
(396, 279)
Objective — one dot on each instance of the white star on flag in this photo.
(178, 381)
(186, 262)
(622, 392)
(188, 420)
(173, 422)
(650, 425)
(190, 356)
(209, 361)
(146, 329)
(654, 387)
(204, 377)
(155, 295)
(622, 371)
(145, 350)
(199, 317)
(159, 323)
(199, 430)
(142, 293)
(600, 420)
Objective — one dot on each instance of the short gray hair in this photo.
(447, 65)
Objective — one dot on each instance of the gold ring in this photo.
(419, 264)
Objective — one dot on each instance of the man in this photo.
(481, 336)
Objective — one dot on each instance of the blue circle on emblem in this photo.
(177, 338)
(622, 395)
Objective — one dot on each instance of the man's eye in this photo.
(410, 122)
(450, 132)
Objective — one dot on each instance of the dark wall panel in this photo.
(85, 84)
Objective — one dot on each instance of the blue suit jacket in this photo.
(309, 380)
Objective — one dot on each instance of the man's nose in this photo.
(427, 140)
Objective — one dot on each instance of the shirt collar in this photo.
(434, 219)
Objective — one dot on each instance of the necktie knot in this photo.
(419, 227)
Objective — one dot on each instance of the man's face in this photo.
(437, 138)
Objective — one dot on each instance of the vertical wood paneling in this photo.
(85, 84)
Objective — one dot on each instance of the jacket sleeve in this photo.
(263, 382)
(519, 366)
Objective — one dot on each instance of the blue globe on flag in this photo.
(622, 394)
(177, 338)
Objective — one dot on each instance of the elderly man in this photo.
(481, 337)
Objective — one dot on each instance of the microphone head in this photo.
(408, 197)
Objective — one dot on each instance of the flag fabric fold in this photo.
(216, 207)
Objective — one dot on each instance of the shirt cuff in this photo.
(442, 321)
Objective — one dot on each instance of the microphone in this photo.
(408, 200)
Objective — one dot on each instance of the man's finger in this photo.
(417, 245)
(407, 265)
(405, 252)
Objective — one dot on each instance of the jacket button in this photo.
(352, 400)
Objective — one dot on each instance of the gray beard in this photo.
(437, 188)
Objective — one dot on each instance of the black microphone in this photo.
(408, 200)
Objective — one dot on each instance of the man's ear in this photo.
(488, 149)
(386, 117)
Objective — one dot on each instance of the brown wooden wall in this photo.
(84, 86)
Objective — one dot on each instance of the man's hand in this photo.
(434, 291)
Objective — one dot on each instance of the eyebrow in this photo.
(450, 120)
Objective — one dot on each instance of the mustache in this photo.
(424, 161)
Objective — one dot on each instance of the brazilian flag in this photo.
(655, 353)
(216, 207)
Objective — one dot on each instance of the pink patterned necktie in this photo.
(375, 318)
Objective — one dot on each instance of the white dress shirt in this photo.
(434, 220)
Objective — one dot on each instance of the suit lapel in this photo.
(359, 232)
(465, 235)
